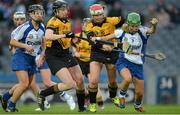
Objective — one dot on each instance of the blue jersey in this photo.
(21, 59)
(28, 35)
(16, 31)
(138, 42)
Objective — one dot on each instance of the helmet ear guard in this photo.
(133, 19)
(96, 9)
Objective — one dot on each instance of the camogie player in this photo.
(99, 26)
(82, 51)
(19, 18)
(27, 42)
(130, 66)
(59, 59)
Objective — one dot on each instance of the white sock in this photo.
(121, 96)
(65, 96)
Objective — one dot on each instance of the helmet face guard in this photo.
(19, 18)
(133, 19)
(59, 4)
(36, 9)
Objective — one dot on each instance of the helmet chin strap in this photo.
(57, 15)
(37, 21)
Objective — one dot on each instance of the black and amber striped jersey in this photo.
(83, 48)
(106, 28)
(59, 26)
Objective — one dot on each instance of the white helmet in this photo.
(96, 9)
(19, 15)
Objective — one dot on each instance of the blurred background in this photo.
(162, 78)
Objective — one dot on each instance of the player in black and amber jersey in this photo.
(61, 63)
(82, 51)
(100, 26)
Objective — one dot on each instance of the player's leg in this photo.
(139, 92)
(33, 85)
(23, 85)
(46, 78)
(99, 99)
(77, 76)
(121, 65)
(95, 69)
(67, 83)
(58, 67)
(6, 96)
(126, 75)
(111, 71)
(138, 81)
(35, 88)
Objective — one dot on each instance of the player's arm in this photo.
(75, 52)
(43, 46)
(49, 35)
(18, 44)
(42, 55)
(15, 41)
(118, 22)
(104, 38)
(152, 29)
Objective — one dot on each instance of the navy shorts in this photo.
(135, 69)
(44, 65)
(22, 61)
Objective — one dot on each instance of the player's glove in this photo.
(127, 48)
(90, 34)
(69, 35)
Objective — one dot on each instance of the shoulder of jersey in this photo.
(21, 26)
(142, 28)
(55, 19)
(25, 25)
(89, 23)
(110, 19)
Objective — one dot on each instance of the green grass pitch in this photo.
(62, 108)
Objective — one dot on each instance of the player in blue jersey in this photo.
(27, 42)
(130, 66)
(19, 18)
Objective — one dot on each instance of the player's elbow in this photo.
(12, 42)
(47, 37)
